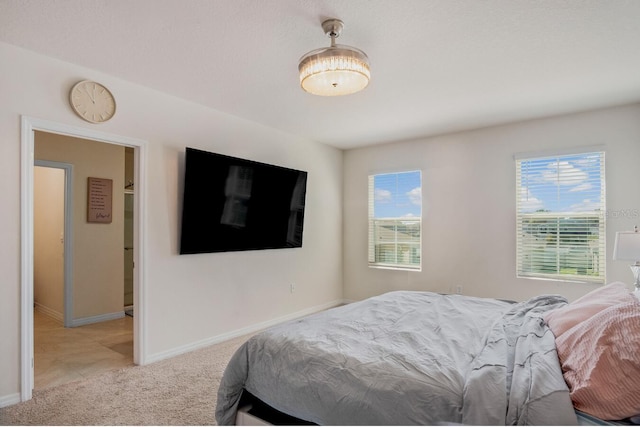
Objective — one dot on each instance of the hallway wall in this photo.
(98, 263)
(48, 252)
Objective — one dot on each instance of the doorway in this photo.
(64, 351)
(29, 127)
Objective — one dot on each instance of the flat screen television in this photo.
(233, 204)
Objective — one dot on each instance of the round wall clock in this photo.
(92, 101)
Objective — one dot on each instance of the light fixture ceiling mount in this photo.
(335, 70)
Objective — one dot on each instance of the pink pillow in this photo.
(564, 318)
(600, 360)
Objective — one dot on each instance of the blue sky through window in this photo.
(561, 184)
(397, 195)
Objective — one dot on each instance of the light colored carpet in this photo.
(177, 391)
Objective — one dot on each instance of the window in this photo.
(395, 220)
(560, 220)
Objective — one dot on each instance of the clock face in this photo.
(92, 101)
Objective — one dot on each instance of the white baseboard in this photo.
(96, 319)
(10, 399)
(81, 321)
(239, 332)
(54, 314)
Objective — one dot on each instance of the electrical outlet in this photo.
(292, 287)
(459, 289)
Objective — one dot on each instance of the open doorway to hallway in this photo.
(29, 127)
(83, 281)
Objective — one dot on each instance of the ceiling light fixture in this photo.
(335, 70)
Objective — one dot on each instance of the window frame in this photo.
(408, 221)
(583, 219)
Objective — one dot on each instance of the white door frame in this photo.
(67, 307)
(28, 126)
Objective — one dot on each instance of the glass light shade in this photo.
(627, 246)
(335, 70)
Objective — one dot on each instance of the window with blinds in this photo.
(560, 208)
(395, 220)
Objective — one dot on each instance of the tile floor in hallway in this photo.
(64, 355)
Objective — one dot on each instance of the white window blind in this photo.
(560, 208)
(395, 220)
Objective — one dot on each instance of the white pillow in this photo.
(637, 293)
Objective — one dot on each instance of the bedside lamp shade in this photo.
(627, 248)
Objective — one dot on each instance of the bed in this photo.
(409, 358)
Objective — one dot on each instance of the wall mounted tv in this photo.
(233, 204)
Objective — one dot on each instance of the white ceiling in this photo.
(438, 66)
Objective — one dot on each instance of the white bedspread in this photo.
(407, 358)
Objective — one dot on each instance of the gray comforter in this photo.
(407, 358)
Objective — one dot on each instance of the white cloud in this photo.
(528, 202)
(415, 196)
(591, 160)
(382, 196)
(582, 187)
(564, 173)
(587, 205)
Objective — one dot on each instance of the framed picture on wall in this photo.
(99, 200)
